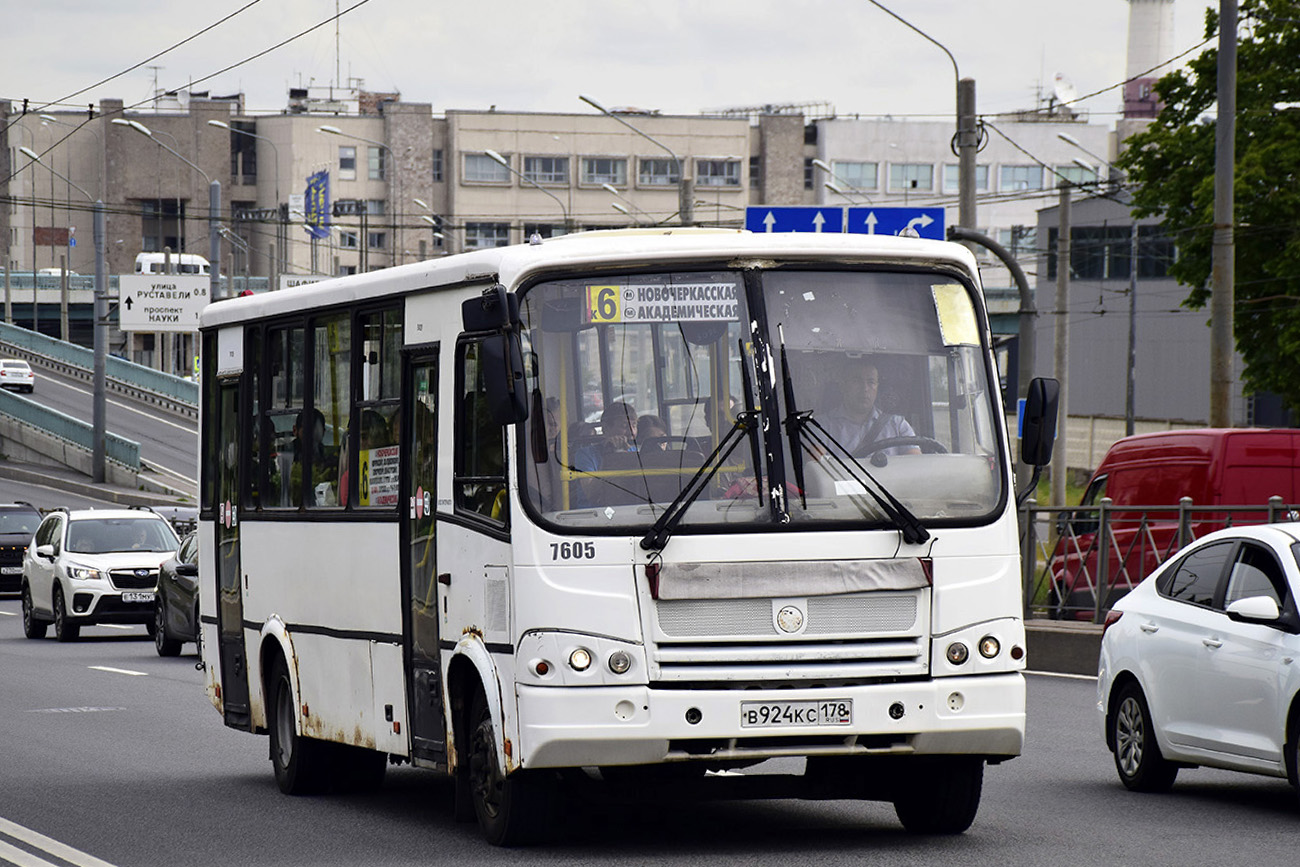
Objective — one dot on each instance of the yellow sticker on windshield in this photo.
(956, 315)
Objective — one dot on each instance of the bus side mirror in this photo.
(494, 310)
(1038, 426)
(503, 377)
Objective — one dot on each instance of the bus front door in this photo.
(420, 584)
(230, 598)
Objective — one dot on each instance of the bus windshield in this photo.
(634, 379)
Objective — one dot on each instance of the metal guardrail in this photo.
(134, 376)
(1078, 561)
(21, 281)
(79, 433)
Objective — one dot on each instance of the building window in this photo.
(1011, 178)
(952, 178)
(717, 173)
(436, 164)
(378, 240)
(1155, 252)
(376, 207)
(908, 177)
(345, 270)
(809, 173)
(348, 239)
(604, 170)
(481, 235)
(545, 230)
(755, 171)
(1020, 241)
(347, 163)
(657, 172)
(162, 222)
(1076, 174)
(859, 176)
(482, 169)
(547, 170)
(375, 163)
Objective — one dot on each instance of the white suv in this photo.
(93, 566)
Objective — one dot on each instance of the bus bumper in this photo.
(590, 726)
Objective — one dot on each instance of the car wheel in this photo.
(64, 629)
(942, 796)
(300, 762)
(511, 809)
(164, 645)
(1138, 760)
(32, 627)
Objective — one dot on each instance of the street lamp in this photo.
(1113, 174)
(614, 191)
(396, 198)
(436, 221)
(98, 402)
(279, 222)
(840, 191)
(568, 224)
(821, 164)
(685, 185)
(214, 205)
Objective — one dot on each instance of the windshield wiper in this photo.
(801, 428)
(746, 423)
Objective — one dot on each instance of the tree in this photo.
(1172, 165)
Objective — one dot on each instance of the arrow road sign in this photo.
(786, 219)
(926, 222)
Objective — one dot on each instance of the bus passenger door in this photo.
(230, 598)
(420, 584)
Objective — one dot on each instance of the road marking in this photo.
(48, 845)
(72, 709)
(1091, 677)
(137, 411)
(118, 670)
(9, 613)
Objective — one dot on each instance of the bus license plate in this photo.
(137, 597)
(770, 714)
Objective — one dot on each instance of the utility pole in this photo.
(1221, 264)
(967, 144)
(1061, 365)
(1130, 387)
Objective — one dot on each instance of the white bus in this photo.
(430, 534)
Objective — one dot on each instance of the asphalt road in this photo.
(115, 752)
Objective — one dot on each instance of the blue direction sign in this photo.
(776, 219)
(928, 222)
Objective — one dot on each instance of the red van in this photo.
(1145, 477)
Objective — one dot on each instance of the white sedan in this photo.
(1200, 664)
(17, 374)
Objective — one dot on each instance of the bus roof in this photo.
(592, 249)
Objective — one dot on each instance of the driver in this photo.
(857, 422)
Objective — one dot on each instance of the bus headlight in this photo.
(957, 653)
(620, 661)
(580, 659)
(989, 647)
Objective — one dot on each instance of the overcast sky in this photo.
(677, 56)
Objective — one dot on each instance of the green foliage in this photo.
(1172, 163)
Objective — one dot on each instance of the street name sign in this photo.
(161, 302)
(793, 219)
(288, 281)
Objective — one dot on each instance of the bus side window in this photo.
(480, 482)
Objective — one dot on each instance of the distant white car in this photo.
(1200, 663)
(17, 375)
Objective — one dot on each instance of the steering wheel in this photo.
(927, 445)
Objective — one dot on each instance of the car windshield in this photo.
(18, 521)
(111, 535)
(634, 379)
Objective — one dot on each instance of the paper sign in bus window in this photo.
(656, 302)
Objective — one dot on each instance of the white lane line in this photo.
(9, 613)
(1091, 677)
(47, 844)
(129, 408)
(118, 670)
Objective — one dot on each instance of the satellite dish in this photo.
(1063, 89)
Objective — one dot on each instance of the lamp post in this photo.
(214, 206)
(436, 221)
(279, 221)
(613, 191)
(840, 191)
(98, 405)
(685, 184)
(821, 164)
(395, 198)
(568, 224)
(1130, 386)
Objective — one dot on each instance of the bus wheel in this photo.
(511, 810)
(941, 798)
(299, 762)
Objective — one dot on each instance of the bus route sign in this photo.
(161, 302)
(655, 302)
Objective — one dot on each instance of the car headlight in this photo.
(84, 573)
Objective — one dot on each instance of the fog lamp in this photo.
(957, 653)
(580, 659)
(989, 647)
(620, 662)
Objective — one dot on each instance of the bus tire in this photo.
(942, 797)
(512, 809)
(300, 763)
